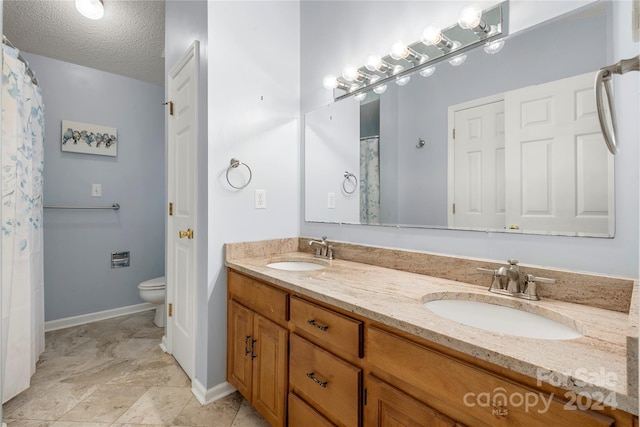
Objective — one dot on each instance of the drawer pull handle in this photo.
(246, 345)
(312, 322)
(313, 377)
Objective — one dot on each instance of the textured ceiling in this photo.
(129, 40)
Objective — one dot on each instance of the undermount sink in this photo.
(501, 319)
(296, 265)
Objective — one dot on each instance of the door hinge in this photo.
(454, 208)
(170, 209)
(170, 104)
(454, 133)
(364, 396)
(170, 309)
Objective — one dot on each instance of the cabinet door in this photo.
(387, 406)
(239, 335)
(270, 363)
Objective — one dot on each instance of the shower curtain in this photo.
(370, 180)
(22, 259)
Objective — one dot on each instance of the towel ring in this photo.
(347, 178)
(233, 164)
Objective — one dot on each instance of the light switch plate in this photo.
(260, 199)
(96, 190)
(331, 200)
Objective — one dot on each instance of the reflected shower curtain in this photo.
(370, 180)
(22, 258)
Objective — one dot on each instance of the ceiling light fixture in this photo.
(92, 9)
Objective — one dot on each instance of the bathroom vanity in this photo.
(352, 344)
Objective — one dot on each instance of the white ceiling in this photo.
(129, 40)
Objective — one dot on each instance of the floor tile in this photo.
(152, 373)
(218, 413)
(52, 406)
(248, 417)
(28, 423)
(78, 424)
(159, 405)
(105, 404)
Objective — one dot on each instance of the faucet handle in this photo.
(532, 278)
(512, 261)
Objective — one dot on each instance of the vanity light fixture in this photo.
(475, 27)
(494, 47)
(352, 74)
(400, 51)
(376, 63)
(427, 72)
(331, 82)
(432, 36)
(471, 19)
(361, 96)
(92, 9)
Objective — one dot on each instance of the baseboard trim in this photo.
(216, 392)
(68, 322)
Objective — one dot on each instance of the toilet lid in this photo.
(157, 283)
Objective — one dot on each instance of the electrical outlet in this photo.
(260, 199)
(96, 190)
(331, 200)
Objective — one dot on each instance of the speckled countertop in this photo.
(595, 364)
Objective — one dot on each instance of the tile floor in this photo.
(113, 373)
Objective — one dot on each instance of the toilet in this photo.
(153, 291)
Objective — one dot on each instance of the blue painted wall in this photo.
(78, 278)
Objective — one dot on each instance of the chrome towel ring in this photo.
(608, 122)
(233, 164)
(347, 178)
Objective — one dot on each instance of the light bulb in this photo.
(403, 80)
(330, 82)
(374, 63)
(458, 60)
(426, 72)
(360, 96)
(470, 17)
(92, 9)
(350, 73)
(431, 35)
(494, 47)
(399, 50)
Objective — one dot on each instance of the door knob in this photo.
(188, 234)
(514, 227)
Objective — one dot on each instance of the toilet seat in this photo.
(153, 284)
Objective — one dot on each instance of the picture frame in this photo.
(87, 138)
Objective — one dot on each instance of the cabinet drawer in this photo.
(466, 390)
(270, 302)
(330, 384)
(303, 415)
(329, 329)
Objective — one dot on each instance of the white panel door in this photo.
(559, 173)
(182, 194)
(478, 168)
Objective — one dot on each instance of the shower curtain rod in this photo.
(29, 71)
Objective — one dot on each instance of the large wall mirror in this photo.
(504, 142)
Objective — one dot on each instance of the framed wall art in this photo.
(89, 139)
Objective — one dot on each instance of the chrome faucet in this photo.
(324, 250)
(513, 277)
(506, 281)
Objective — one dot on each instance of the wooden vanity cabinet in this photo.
(257, 347)
(349, 371)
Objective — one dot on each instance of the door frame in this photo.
(451, 115)
(192, 52)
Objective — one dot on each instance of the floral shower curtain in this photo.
(370, 180)
(22, 258)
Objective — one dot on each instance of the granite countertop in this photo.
(595, 364)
